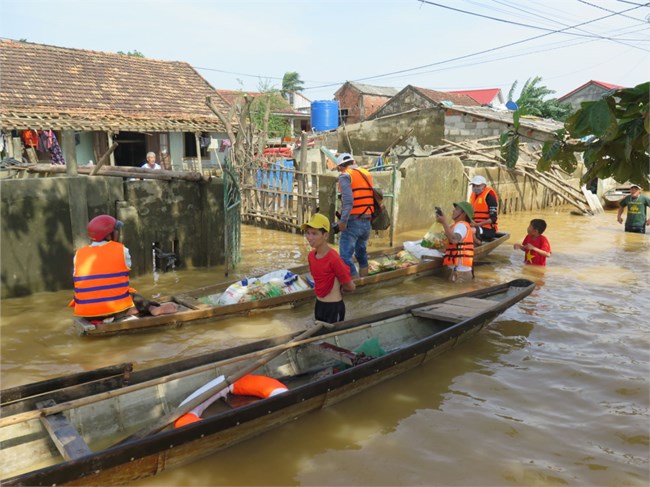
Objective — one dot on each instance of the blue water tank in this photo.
(324, 115)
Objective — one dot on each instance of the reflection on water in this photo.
(554, 392)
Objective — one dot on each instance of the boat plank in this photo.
(455, 310)
(66, 438)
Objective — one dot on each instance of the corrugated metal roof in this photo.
(50, 87)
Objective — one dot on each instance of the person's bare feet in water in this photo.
(163, 309)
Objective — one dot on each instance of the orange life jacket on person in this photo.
(481, 210)
(101, 281)
(461, 253)
(363, 203)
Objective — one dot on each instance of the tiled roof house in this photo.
(412, 98)
(488, 96)
(592, 90)
(143, 104)
(358, 101)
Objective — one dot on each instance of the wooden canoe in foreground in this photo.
(59, 431)
(191, 309)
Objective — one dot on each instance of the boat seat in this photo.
(455, 310)
(65, 436)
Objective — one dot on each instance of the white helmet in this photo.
(476, 180)
(343, 158)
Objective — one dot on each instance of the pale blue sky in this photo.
(235, 43)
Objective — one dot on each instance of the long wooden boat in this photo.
(108, 426)
(195, 306)
(613, 197)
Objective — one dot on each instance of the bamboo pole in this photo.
(120, 171)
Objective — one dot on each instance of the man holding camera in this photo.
(459, 254)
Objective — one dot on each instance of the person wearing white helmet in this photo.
(485, 202)
(357, 206)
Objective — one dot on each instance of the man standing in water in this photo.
(357, 206)
(636, 204)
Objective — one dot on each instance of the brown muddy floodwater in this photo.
(554, 392)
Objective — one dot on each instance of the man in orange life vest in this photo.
(357, 205)
(485, 203)
(459, 254)
(101, 277)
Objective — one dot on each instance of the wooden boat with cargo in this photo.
(115, 425)
(207, 303)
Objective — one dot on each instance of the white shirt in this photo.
(147, 166)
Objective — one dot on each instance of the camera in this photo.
(335, 228)
(438, 211)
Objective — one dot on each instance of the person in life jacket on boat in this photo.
(101, 277)
(357, 206)
(485, 204)
(458, 260)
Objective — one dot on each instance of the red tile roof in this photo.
(484, 96)
(607, 86)
(440, 96)
(56, 85)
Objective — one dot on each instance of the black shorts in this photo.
(329, 312)
(635, 229)
(487, 234)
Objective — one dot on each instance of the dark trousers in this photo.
(329, 312)
(635, 229)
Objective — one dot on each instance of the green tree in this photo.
(271, 98)
(291, 83)
(531, 100)
(135, 53)
(612, 133)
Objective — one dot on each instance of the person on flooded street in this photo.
(101, 277)
(535, 244)
(458, 260)
(331, 275)
(636, 204)
(485, 203)
(151, 162)
(357, 205)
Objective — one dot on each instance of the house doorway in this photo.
(132, 149)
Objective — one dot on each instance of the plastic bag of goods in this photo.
(235, 293)
(299, 284)
(435, 238)
(406, 259)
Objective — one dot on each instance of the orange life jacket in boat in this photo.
(249, 385)
(101, 280)
(481, 209)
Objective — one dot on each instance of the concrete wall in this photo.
(36, 248)
(377, 135)
(462, 126)
(590, 92)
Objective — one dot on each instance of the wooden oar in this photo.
(188, 406)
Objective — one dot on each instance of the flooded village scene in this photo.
(336, 243)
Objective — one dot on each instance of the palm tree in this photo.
(291, 83)
(531, 100)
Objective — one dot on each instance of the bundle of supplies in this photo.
(275, 283)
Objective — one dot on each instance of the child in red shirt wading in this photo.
(535, 244)
(331, 275)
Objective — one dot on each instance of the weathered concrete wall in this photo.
(36, 248)
(377, 135)
(427, 182)
(464, 126)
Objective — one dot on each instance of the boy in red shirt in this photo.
(331, 275)
(535, 244)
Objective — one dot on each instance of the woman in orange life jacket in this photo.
(459, 254)
(101, 277)
(485, 203)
